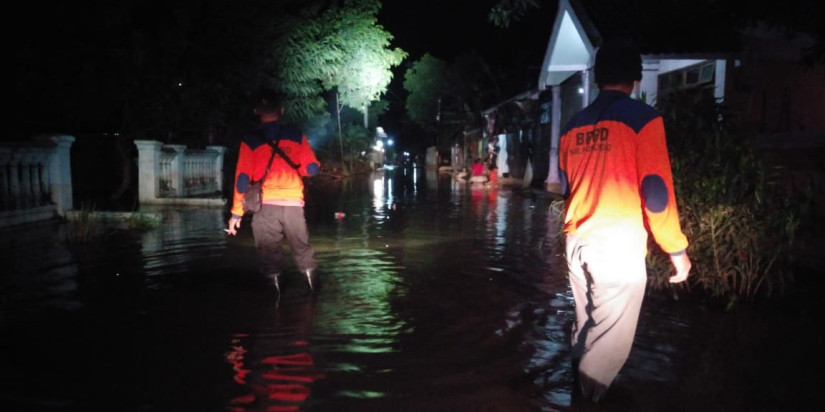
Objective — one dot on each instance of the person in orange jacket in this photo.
(617, 184)
(282, 212)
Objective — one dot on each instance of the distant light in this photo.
(389, 142)
(581, 90)
(180, 84)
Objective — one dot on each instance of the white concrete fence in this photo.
(173, 174)
(35, 179)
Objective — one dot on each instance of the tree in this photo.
(426, 83)
(447, 99)
(339, 48)
(506, 11)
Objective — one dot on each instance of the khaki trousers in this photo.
(608, 277)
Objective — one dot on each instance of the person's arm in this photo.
(310, 166)
(243, 176)
(659, 198)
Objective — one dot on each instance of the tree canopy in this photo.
(445, 99)
(339, 48)
(426, 83)
(505, 12)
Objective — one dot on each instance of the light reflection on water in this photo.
(436, 295)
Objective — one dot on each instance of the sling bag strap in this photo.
(276, 149)
(272, 157)
(268, 165)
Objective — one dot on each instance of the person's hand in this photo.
(682, 265)
(234, 225)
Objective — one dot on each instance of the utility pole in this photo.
(437, 123)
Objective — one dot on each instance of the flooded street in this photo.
(436, 296)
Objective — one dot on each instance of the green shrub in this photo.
(87, 225)
(740, 225)
(142, 221)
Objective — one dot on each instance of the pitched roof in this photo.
(677, 29)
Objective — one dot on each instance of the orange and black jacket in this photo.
(615, 171)
(283, 183)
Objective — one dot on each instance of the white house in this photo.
(567, 69)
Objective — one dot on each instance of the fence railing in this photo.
(174, 174)
(35, 179)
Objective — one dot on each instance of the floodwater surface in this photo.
(436, 296)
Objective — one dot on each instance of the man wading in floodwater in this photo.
(282, 212)
(617, 184)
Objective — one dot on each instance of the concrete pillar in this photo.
(148, 169)
(555, 134)
(502, 161)
(60, 172)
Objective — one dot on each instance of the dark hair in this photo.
(618, 61)
(268, 102)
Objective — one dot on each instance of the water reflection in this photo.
(273, 368)
(436, 295)
(429, 287)
(39, 271)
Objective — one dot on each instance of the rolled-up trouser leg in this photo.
(297, 235)
(608, 283)
(268, 231)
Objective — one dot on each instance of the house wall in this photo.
(771, 95)
(671, 65)
(572, 98)
(652, 69)
(542, 139)
(775, 96)
(770, 90)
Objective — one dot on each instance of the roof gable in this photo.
(570, 48)
(662, 29)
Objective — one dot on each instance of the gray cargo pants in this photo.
(270, 226)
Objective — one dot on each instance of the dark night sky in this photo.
(448, 28)
(445, 28)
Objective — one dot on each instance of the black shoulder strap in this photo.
(266, 172)
(271, 158)
(276, 149)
